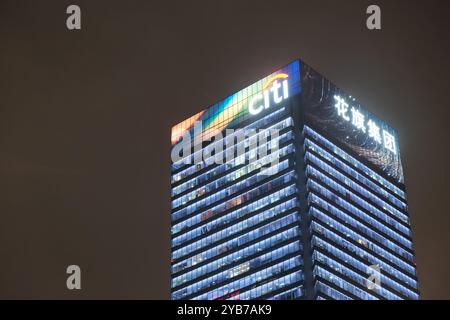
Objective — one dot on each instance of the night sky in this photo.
(85, 120)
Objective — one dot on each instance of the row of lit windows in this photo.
(215, 197)
(215, 211)
(312, 198)
(361, 227)
(334, 250)
(227, 219)
(268, 160)
(356, 277)
(232, 244)
(341, 283)
(386, 284)
(364, 242)
(357, 176)
(356, 187)
(351, 196)
(357, 164)
(291, 294)
(330, 196)
(222, 234)
(242, 268)
(235, 228)
(330, 292)
(364, 268)
(254, 279)
(267, 288)
(242, 145)
(188, 160)
(236, 161)
(224, 192)
(236, 256)
(229, 204)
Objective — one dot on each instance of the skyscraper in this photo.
(289, 189)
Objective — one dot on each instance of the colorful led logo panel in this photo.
(265, 93)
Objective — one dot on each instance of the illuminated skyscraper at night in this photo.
(327, 220)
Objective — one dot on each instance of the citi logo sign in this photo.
(274, 92)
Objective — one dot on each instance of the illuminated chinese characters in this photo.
(368, 126)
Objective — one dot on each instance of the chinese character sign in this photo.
(339, 116)
(359, 121)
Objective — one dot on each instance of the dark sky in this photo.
(85, 122)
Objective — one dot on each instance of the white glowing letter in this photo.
(276, 98)
(266, 99)
(389, 141)
(358, 119)
(251, 106)
(374, 131)
(342, 107)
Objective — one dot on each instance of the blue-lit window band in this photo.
(245, 267)
(330, 292)
(356, 277)
(211, 239)
(271, 286)
(256, 278)
(350, 184)
(203, 257)
(363, 254)
(236, 161)
(215, 213)
(347, 286)
(253, 167)
(347, 217)
(333, 224)
(332, 263)
(187, 164)
(213, 198)
(311, 146)
(290, 294)
(346, 194)
(235, 142)
(357, 164)
(237, 256)
(227, 219)
(218, 170)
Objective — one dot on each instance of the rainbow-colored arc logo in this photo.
(260, 95)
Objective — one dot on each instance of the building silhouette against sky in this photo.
(313, 208)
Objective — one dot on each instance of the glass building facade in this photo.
(327, 220)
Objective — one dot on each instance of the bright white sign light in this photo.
(358, 119)
(389, 141)
(342, 107)
(374, 131)
(264, 97)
